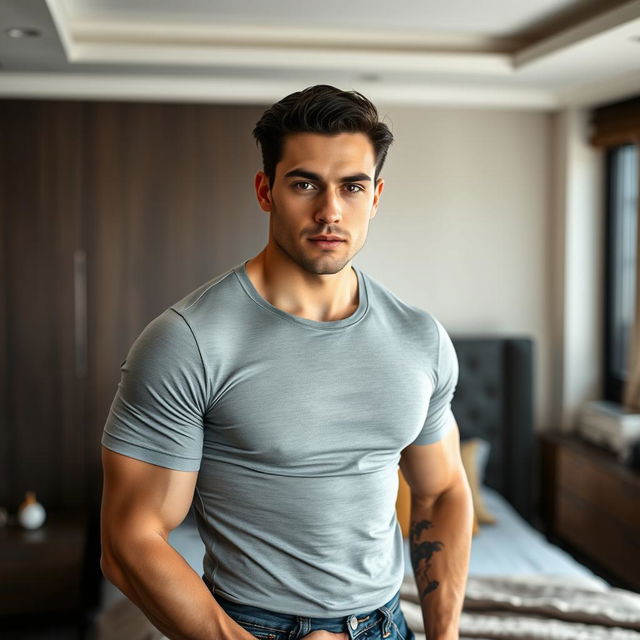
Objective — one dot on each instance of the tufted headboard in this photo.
(494, 401)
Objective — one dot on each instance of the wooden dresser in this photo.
(42, 579)
(592, 502)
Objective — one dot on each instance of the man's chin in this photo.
(324, 266)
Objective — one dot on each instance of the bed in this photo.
(520, 585)
(494, 403)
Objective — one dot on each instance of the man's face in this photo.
(323, 186)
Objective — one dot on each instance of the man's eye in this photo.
(357, 188)
(303, 186)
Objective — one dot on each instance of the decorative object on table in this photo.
(4, 517)
(31, 514)
(609, 425)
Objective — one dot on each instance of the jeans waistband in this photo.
(391, 605)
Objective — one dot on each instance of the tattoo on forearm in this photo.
(421, 553)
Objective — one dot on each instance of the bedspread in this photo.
(537, 607)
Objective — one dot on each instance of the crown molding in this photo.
(627, 16)
(173, 88)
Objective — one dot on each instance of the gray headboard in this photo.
(494, 401)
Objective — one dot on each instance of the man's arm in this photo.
(141, 504)
(440, 531)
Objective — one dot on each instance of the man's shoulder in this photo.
(207, 293)
(396, 309)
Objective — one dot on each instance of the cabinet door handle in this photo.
(80, 310)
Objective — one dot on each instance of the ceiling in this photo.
(547, 54)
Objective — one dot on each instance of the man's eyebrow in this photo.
(310, 175)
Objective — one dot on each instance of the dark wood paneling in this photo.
(4, 338)
(170, 195)
(616, 124)
(161, 198)
(42, 172)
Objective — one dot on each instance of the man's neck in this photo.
(285, 285)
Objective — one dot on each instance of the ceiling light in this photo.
(22, 32)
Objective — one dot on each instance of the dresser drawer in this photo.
(610, 493)
(600, 536)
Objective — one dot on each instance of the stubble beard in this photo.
(318, 265)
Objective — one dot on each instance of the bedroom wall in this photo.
(462, 232)
(464, 227)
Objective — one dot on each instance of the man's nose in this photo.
(330, 209)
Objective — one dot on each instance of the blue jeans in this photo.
(385, 623)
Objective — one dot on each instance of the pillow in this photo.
(475, 453)
(403, 507)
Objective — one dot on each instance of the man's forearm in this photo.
(440, 543)
(158, 580)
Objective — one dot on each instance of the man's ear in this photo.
(376, 196)
(263, 191)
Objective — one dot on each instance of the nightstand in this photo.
(42, 570)
(592, 502)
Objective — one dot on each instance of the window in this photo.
(620, 285)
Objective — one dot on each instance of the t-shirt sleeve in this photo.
(439, 416)
(158, 409)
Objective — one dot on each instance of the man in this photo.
(280, 397)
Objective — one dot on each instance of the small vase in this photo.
(31, 513)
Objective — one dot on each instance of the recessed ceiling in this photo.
(502, 53)
(504, 17)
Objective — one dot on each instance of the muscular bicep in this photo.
(432, 469)
(140, 499)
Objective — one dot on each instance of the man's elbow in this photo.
(456, 489)
(117, 570)
(109, 565)
(115, 554)
(110, 570)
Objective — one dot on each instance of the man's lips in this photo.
(327, 242)
(328, 238)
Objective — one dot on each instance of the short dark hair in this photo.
(319, 109)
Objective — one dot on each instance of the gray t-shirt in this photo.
(296, 427)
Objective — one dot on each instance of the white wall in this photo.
(578, 266)
(464, 227)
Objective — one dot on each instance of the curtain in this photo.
(615, 125)
(631, 392)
